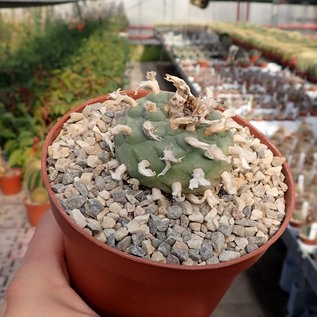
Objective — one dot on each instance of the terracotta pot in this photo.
(297, 223)
(303, 235)
(11, 184)
(35, 211)
(242, 65)
(254, 58)
(203, 63)
(114, 283)
(262, 65)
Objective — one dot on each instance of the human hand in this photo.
(41, 287)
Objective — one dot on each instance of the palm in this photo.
(41, 286)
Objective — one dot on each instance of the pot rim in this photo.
(18, 174)
(258, 252)
(27, 201)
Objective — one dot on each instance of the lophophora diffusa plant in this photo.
(169, 169)
(174, 141)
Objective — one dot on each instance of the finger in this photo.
(45, 254)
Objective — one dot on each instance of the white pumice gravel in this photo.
(242, 213)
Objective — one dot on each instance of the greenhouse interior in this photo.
(158, 158)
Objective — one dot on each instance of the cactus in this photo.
(33, 182)
(173, 141)
(39, 196)
(32, 175)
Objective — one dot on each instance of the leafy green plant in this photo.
(50, 70)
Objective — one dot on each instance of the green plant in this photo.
(33, 182)
(18, 133)
(183, 144)
(39, 196)
(48, 70)
(254, 52)
(225, 40)
(3, 165)
(243, 61)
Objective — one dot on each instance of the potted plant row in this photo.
(10, 177)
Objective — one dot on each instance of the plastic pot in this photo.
(304, 236)
(11, 184)
(114, 283)
(35, 211)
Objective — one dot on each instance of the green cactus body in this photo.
(39, 196)
(32, 175)
(132, 149)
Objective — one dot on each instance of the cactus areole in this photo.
(173, 141)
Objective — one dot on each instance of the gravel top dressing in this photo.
(167, 177)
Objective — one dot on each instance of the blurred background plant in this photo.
(48, 64)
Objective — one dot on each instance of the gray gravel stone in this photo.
(62, 164)
(68, 178)
(251, 247)
(172, 259)
(161, 235)
(228, 255)
(121, 233)
(147, 247)
(206, 250)
(186, 207)
(194, 255)
(180, 249)
(257, 240)
(136, 250)
(217, 241)
(123, 221)
(52, 175)
(186, 235)
(100, 183)
(78, 217)
(212, 260)
(81, 188)
(115, 207)
(239, 230)
(162, 224)
(152, 223)
(93, 225)
(184, 221)
(124, 244)
(104, 157)
(226, 229)
(246, 222)
(50, 161)
(70, 191)
(94, 207)
(151, 209)
(178, 229)
(174, 212)
(137, 238)
(241, 242)
(164, 248)
(156, 242)
(111, 241)
(75, 202)
(58, 188)
(118, 195)
(247, 211)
